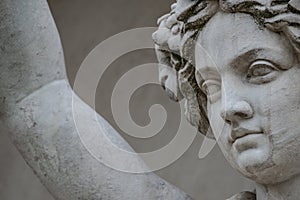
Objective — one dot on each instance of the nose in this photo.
(234, 111)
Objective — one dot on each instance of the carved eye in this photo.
(261, 71)
(212, 89)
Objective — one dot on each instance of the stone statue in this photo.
(236, 64)
(36, 112)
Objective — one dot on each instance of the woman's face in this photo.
(252, 79)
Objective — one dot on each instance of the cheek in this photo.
(284, 105)
(283, 119)
(216, 122)
(220, 129)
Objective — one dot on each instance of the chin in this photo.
(259, 167)
(252, 161)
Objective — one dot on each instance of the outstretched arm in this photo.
(36, 112)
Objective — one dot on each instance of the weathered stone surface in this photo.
(236, 64)
(36, 111)
(238, 71)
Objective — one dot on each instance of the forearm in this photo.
(36, 111)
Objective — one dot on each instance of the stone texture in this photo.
(240, 80)
(96, 20)
(15, 173)
(36, 112)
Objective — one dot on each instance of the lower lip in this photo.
(247, 142)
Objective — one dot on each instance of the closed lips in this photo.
(241, 132)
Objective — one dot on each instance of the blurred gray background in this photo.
(82, 25)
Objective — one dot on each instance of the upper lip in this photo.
(241, 132)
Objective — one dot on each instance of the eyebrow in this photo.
(242, 61)
(245, 58)
(237, 61)
(277, 57)
(206, 73)
(206, 69)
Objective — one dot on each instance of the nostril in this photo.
(246, 113)
(226, 119)
(240, 110)
(243, 115)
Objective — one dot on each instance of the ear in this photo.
(168, 78)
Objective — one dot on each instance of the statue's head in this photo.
(237, 65)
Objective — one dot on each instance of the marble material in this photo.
(36, 112)
(237, 66)
(235, 63)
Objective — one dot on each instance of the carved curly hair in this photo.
(191, 17)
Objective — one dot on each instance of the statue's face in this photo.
(252, 79)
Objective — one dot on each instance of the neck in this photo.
(288, 190)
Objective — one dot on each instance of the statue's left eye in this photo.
(261, 71)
